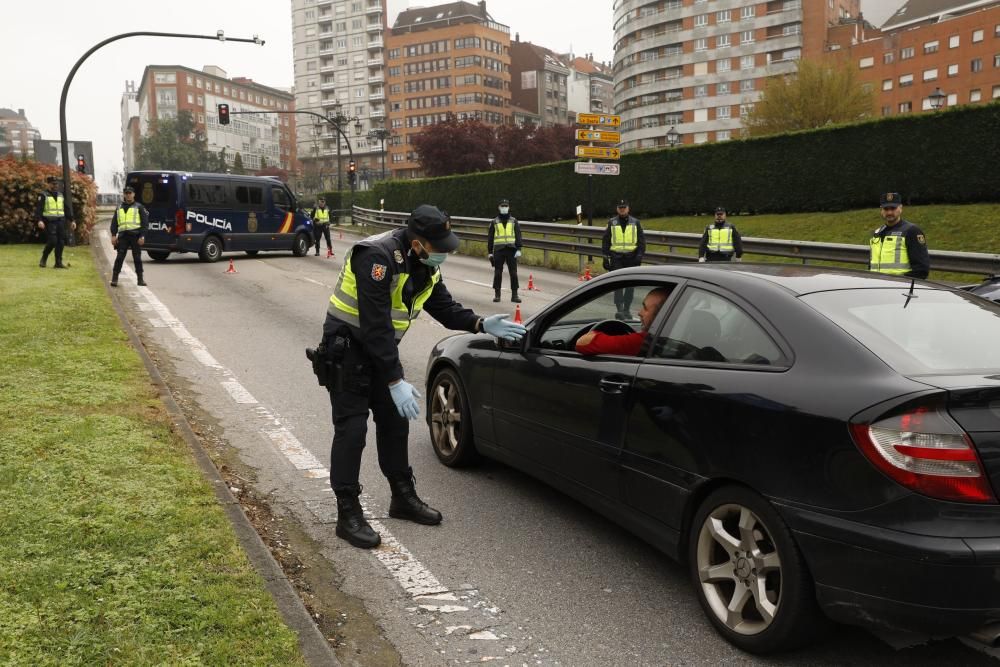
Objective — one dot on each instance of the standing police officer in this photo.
(898, 247)
(51, 216)
(128, 229)
(504, 247)
(321, 224)
(623, 245)
(385, 282)
(721, 242)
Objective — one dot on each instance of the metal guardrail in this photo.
(661, 246)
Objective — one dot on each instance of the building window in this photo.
(722, 88)
(905, 107)
(907, 53)
(721, 41)
(976, 65)
(905, 80)
(190, 80)
(746, 85)
(953, 42)
(930, 47)
(723, 112)
(747, 62)
(865, 63)
(886, 111)
(887, 84)
(700, 137)
(701, 44)
(749, 12)
(930, 74)
(975, 95)
(723, 65)
(996, 92)
(996, 60)
(701, 91)
(722, 135)
(888, 57)
(977, 36)
(746, 37)
(701, 20)
(952, 70)
(723, 16)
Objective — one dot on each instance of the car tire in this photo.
(450, 421)
(211, 249)
(251, 253)
(301, 245)
(750, 577)
(158, 255)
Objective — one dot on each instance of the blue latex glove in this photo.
(405, 396)
(517, 254)
(501, 327)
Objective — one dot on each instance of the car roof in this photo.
(795, 278)
(201, 174)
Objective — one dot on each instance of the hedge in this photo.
(940, 157)
(21, 181)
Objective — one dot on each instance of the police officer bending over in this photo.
(721, 241)
(128, 228)
(385, 282)
(898, 247)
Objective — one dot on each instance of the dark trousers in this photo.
(623, 297)
(55, 235)
(711, 256)
(503, 256)
(363, 391)
(322, 230)
(126, 241)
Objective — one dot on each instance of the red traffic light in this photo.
(223, 114)
(351, 167)
(81, 164)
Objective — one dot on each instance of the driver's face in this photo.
(650, 306)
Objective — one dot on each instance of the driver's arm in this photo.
(597, 342)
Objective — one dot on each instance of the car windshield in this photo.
(926, 331)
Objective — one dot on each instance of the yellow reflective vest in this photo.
(888, 253)
(504, 233)
(322, 216)
(720, 239)
(129, 220)
(53, 207)
(624, 240)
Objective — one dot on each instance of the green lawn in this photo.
(113, 548)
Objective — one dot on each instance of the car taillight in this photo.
(179, 222)
(926, 451)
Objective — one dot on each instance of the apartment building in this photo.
(339, 62)
(540, 81)
(446, 59)
(590, 86)
(18, 135)
(263, 138)
(697, 66)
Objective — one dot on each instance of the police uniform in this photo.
(321, 226)
(503, 243)
(898, 248)
(721, 241)
(129, 223)
(383, 286)
(51, 210)
(623, 245)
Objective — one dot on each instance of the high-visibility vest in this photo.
(344, 300)
(504, 233)
(323, 215)
(129, 220)
(53, 207)
(624, 240)
(720, 239)
(888, 253)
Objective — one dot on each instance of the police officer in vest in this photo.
(321, 223)
(385, 282)
(51, 216)
(503, 243)
(623, 245)
(128, 231)
(898, 247)
(721, 241)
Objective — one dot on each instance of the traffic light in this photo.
(81, 164)
(223, 114)
(352, 167)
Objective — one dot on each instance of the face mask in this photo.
(431, 258)
(504, 210)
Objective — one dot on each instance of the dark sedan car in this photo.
(811, 441)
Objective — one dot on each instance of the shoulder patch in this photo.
(378, 271)
(921, 240)
(398, 256)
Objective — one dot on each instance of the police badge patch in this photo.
(398, 256)
(921, 240)
(378, 271)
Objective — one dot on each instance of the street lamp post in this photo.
(219, 35)
(937, 99)
(338, 120)
(380, 134)
(673, 137)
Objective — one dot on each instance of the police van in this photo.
(214, 213)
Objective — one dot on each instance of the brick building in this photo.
(540, 81)
(19, 135)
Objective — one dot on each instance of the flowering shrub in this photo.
(21, 181)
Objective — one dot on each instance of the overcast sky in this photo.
(37, 50)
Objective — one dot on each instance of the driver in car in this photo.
(598, 342)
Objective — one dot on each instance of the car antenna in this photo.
(910, 295)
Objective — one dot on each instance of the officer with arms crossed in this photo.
(385, 282)
(623, 245)
(721, 241)
(321, 224)
(503, 243)
(898, 247)
(128, 228)
(51, 216)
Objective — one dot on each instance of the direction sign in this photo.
(597, 168)
(598, 119)
(598, 135)
(598, 152)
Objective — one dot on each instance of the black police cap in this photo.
(889, 200)
(622, 203)
(720, 209)
(504, 202)
(428, 222)
(128, 189)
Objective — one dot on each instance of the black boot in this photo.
(141, 282)
(496, 296)
(114, 280)
(515, 298)
(351, 523)
(406, 505)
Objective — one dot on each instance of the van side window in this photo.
(250, 196)
(280, 198)
(206, 193)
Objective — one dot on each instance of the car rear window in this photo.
(153, 190)
(923, 331)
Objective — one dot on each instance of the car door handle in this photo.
(610, 385)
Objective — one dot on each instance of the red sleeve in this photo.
(603, 343)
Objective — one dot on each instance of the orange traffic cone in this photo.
(517, 314)
(329, 253)
(232, 267)
(586, 273)
(531, 284)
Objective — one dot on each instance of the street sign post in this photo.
(599, 152)
(598, 119)
(599, 135)
(597, 168)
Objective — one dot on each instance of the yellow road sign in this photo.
(598, 135)
(598, 119)
(598, 152)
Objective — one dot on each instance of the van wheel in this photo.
(252, 253)
(211, 249)
(301, 245)
(158, 255)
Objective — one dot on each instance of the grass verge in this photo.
(113, 548)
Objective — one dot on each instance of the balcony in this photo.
(328, 68)
(375, 44)
(377, 97)
(374, 27)
(375, 62)
(327, 85)
(377, 113)
(378, 78)
(373, 8)
(330, 102)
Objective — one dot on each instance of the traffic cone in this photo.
(531, 284)
(232, 267)
(517, 314)
(329, 253)
(586, 273)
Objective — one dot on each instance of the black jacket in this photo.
(916, 247)
(41, 205)
(703, 250)
(143, 218)
(493, 228)
(312, 216)
(633, 258)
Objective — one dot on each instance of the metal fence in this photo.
(661, 247)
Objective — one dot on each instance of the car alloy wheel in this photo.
(449, 420)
